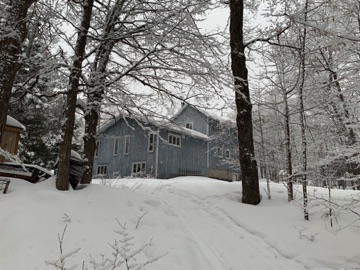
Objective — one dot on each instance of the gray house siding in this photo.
(121, 164)
(188, 151)
(192, 115)
(223, 136)
(188, 159)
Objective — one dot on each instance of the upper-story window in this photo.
(127, 145)
(174, 140)
(151, 142)
(189, 125)
(219, 152)
(116, 147)
(97, 148)
(227, 153)
(235, 154)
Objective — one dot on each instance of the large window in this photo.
(97, 148)
(138, 168)
(127, 145)
(219, 152)
(174, 140)
(101, 170)
(116, 146)
(189, 125)
(151, 142)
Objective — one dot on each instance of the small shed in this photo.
(11, 136)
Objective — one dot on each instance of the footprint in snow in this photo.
(170, 213)
(152, 202)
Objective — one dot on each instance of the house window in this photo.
(227, 153)
(116, 146)
(138, 168)
(189, 125)
(127, 145)
(219, 152)
(235, 134)
(97, 147)
(151, 142)
(235, 154)
(174, 140)
(101, 170)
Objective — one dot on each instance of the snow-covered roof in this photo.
(160, 124)
(207, 113)
(12, 122)
(186, 131)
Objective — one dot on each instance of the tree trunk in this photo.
(302, 118)
(250, 178)
(62, 178)
(13, 32)
(96, 91)
(91, 120)
(288, 147)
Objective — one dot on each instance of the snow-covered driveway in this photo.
(186, 223)
(217, 240)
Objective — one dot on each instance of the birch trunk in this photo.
(302, 117)
(288, 148)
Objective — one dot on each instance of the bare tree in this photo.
(250, 178)
(304, 160)
(163, 52)
(62, 178)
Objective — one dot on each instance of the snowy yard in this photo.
(186, 223)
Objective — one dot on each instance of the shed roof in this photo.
(12, 122)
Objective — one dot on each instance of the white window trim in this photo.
(101, 169)
(153, 142)
(177, 137)
(139, 163)
(191, 124)
(227, 154)
(116, 147)
(97, 148)
(219, 152)
(235, 154)
(126, 149)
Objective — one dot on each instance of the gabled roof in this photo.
(168, 125)
(208, 114)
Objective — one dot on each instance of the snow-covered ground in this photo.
(185, 223)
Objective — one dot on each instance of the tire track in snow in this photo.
(248, 250)
(212, 260)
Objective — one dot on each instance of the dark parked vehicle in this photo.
(77, 169)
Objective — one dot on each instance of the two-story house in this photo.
(191, 143)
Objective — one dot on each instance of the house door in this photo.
(235, 177)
